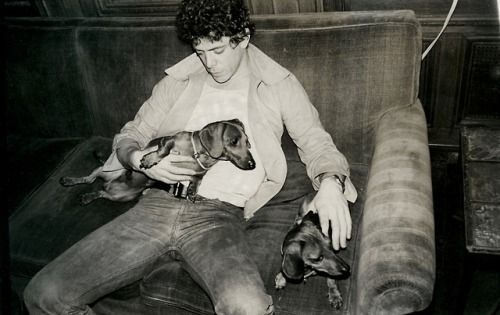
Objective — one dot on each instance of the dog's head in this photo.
(306, 250)
(227, 140)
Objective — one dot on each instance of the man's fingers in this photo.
(174, 174)
(175, 170)
(324, 221)
(348, 222)
(342, 229)
(176, 158)
(335, 233)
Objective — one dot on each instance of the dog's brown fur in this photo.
(308, 252)
(223, 140)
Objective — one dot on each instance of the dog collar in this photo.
(196, 154)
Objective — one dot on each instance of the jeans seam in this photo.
(174, 235)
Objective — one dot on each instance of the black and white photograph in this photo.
(251, 157)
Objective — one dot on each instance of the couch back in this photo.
(78, 77)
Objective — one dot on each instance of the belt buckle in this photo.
(180, 190)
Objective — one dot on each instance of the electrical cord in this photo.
(450, 13)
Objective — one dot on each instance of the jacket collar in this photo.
(261, 65)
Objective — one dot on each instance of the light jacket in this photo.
(275, 99)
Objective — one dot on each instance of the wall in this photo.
(460, 78)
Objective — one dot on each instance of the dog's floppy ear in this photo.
(293, 264)
(238, 122)
(306, 205)
(211, 138)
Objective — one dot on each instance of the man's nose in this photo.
(210, 60)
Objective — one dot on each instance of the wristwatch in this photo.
(340, 179)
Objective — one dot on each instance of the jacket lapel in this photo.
(269, 149)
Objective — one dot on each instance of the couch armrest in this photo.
(396, 260)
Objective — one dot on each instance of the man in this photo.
(226, 78)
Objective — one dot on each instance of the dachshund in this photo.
(218, 141)
(307, 252)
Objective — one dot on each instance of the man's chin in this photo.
(220, 79)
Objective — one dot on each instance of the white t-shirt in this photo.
(224, 181)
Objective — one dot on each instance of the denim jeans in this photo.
(208, 234)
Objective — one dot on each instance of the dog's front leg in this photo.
(279, 281)
(152, 158)
(334, 296)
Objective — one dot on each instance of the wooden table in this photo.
(481, 176)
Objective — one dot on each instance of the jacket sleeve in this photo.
(315, 145)
(137, 133)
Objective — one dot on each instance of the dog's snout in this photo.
(251, 164)
(343, 267)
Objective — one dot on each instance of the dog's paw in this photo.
(149, 160)
(66, 181)
(279, 281)
(85, 199)
(335, 299)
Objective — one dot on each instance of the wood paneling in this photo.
(427, 7)
(450, 85)
(20, 8)
(481, 89)
(136, 8)
(90, 8)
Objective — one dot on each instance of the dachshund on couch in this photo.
(307, 252)
(218, 141)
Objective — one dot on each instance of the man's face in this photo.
(221, 58)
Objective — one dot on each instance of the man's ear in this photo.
(211, 138)
(245, 38)
(245, 42)
(293, 264)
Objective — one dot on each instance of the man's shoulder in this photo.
(265, 68)
(184, 69)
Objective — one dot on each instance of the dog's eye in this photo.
(319, 259)
(234, 141)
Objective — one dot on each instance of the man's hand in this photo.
(333, 211)
(170, 170)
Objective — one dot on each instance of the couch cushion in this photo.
(168, 286)
(51, 219)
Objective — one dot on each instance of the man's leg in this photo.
(114, 255)
(213, 246)
(265, 233)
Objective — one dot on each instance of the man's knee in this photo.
(243, 301)
(43, 295)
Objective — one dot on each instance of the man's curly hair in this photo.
(213, 19)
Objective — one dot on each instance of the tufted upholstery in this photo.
(72, 83)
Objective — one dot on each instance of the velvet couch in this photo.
(72, 83)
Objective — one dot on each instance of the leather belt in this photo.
(178, 190)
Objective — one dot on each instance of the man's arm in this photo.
(136, 133)
(326, 166)
(129, 144)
